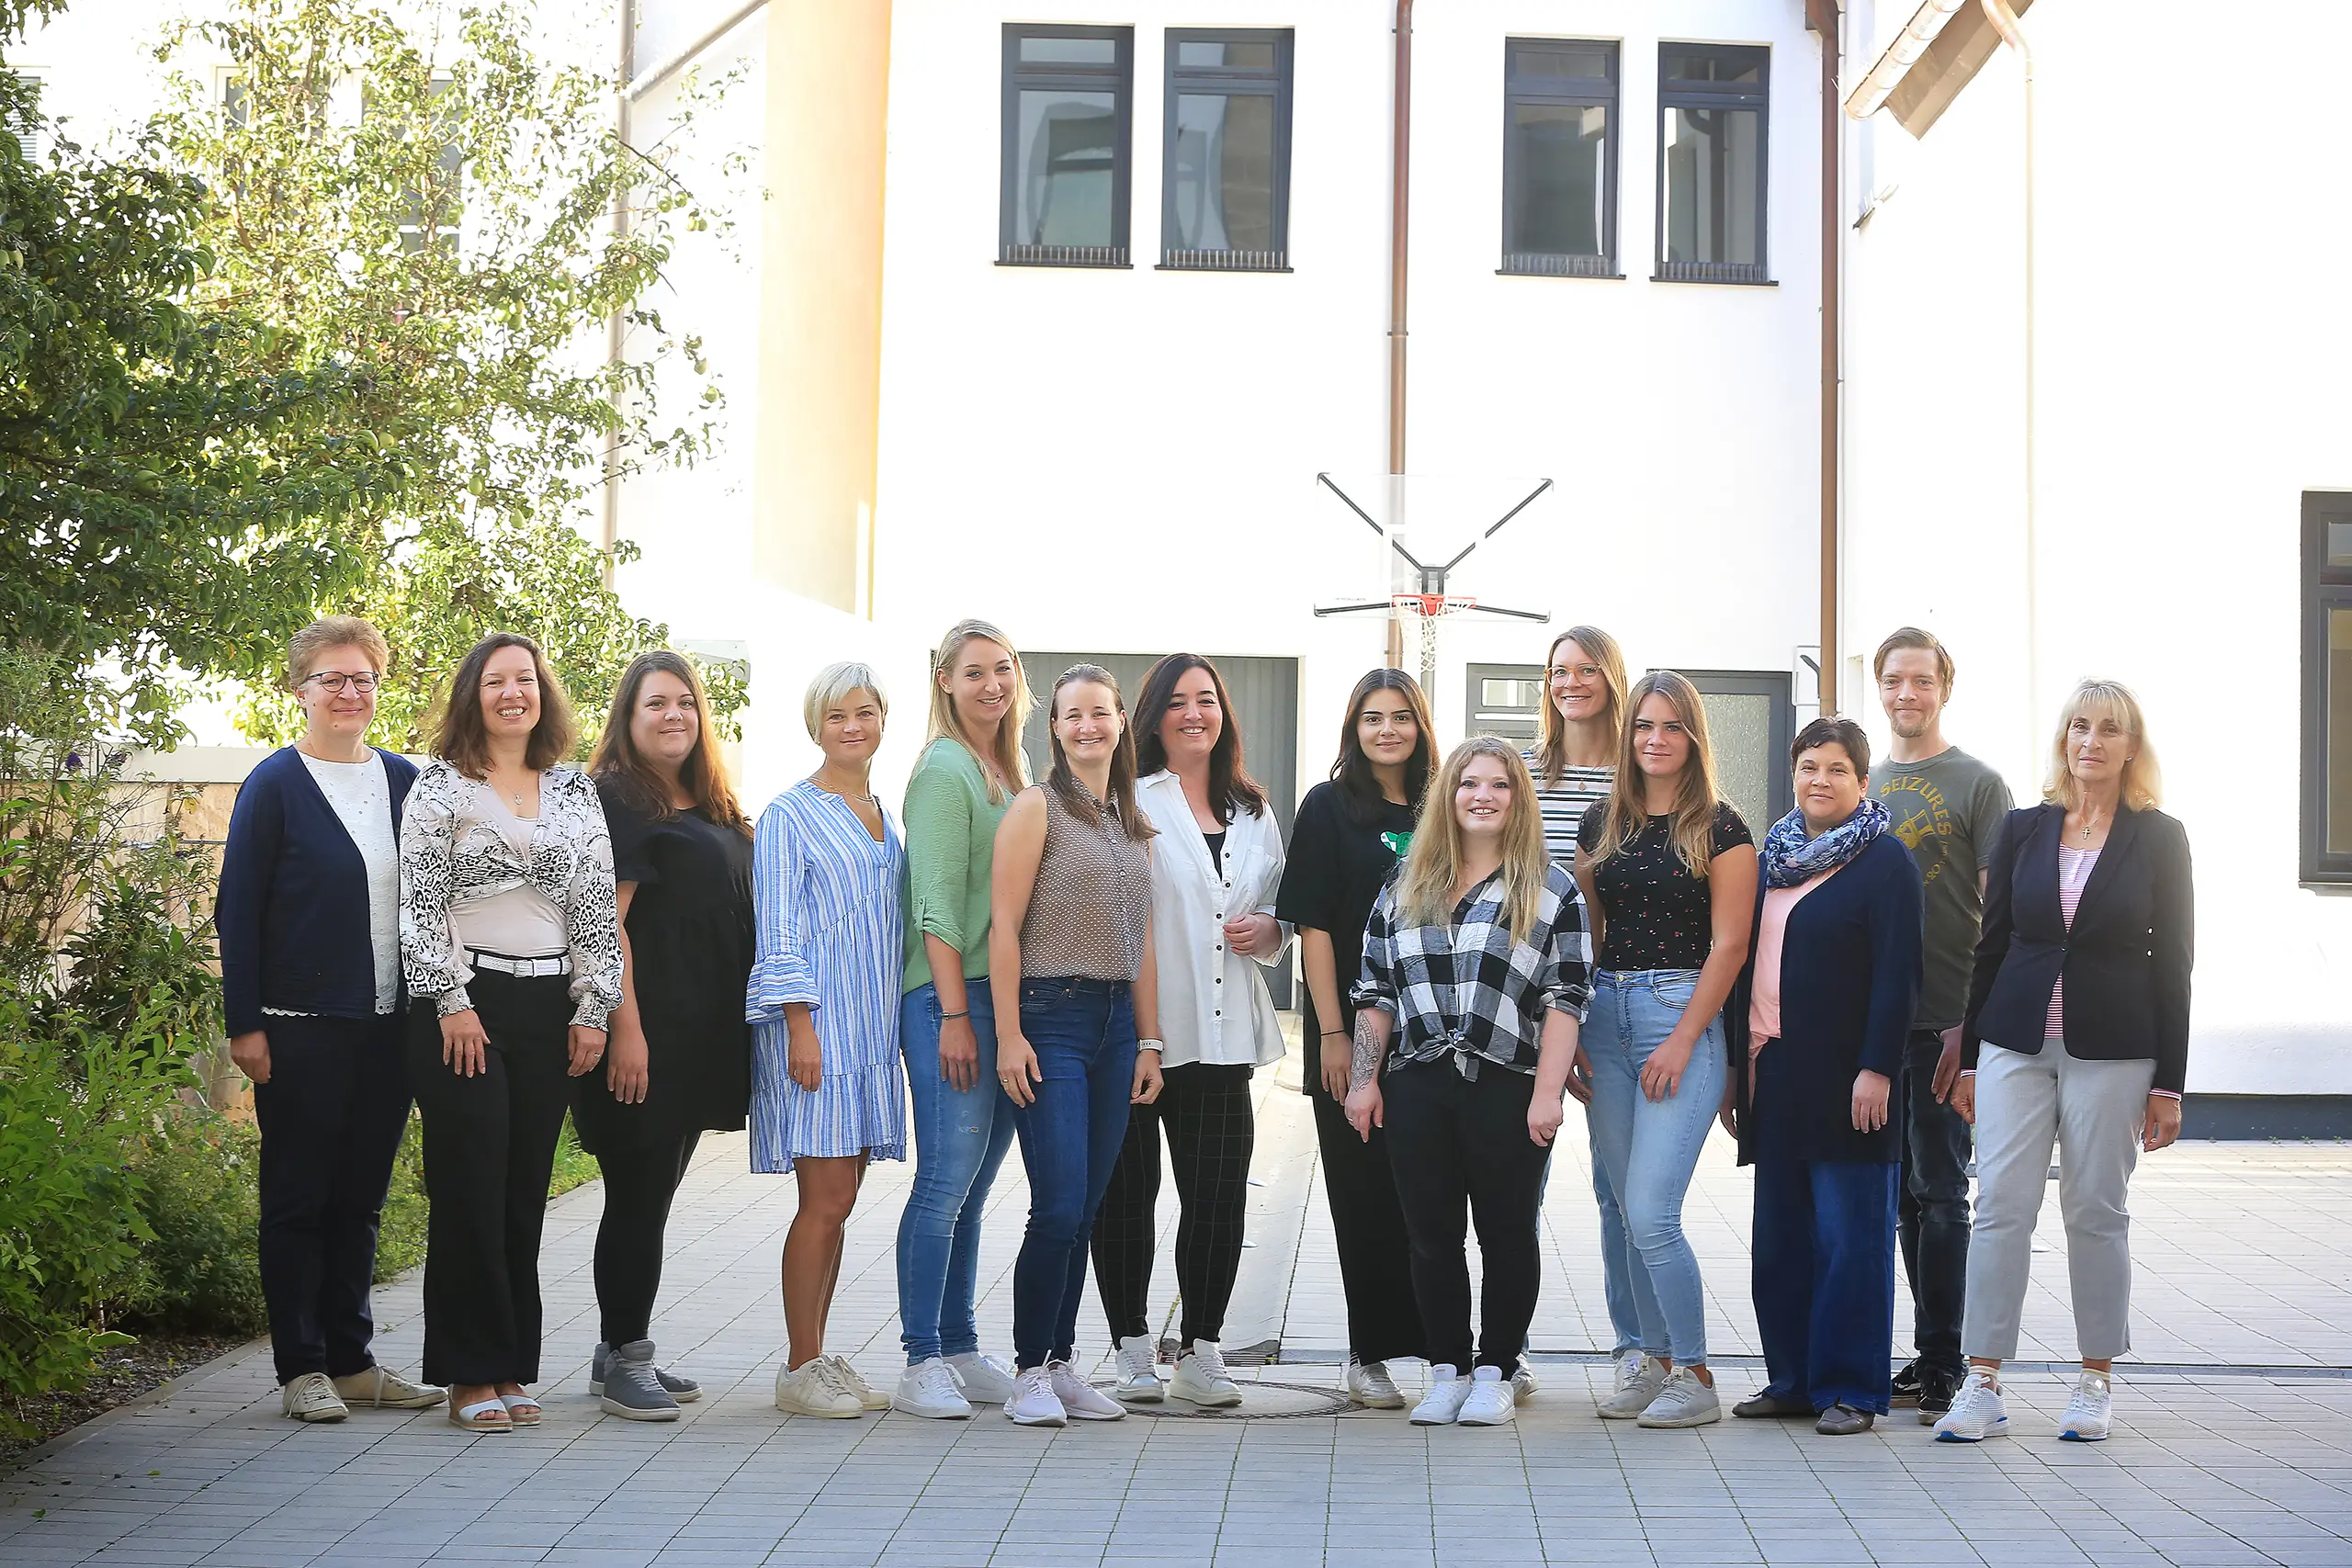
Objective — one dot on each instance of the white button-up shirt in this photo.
(1214, 1005)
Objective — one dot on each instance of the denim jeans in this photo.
(961, 1136)
(1084, 1034)
(1616, 1262)
(1650, 1148)
(1932, 1212)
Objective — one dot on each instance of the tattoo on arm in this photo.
(1365, 1065)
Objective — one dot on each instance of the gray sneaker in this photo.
(1683, 1401)
(1639, 1378)
(632, 1391)
(684, 1390)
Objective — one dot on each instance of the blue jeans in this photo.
(960, 1139)
(1616, 1261)
(1649, 1149)
(1824, 1279)
(1084, 1034)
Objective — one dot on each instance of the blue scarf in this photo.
(1790, 858)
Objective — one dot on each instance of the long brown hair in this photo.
(618, 760)
(1425, 894)
(1359, 786)
(1231, 789)
(1064, 783)
(462, 740)
(1552, 750)
(945, 724)
(1691, 827)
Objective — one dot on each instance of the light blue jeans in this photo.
(1649, 1149)
(961, 1137)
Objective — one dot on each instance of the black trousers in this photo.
(1455, 1144)
(1931, 1209)
(1367, 1222)
(1203, 1109)
(488, 1149)
(640, 1179)
(331, 1115)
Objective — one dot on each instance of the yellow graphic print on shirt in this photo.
(1916, 811)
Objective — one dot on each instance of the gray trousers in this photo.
(2094, 1111)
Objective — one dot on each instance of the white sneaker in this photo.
(1033, 1402)
(869, 1396)
(1441, 1404)
(2088, 1412)
(1138, 1370)
(816, 1388)
(1976, 1411)
(1080, 1399)
(1201, 1377)
(1640, 1376)
(312, 1397)
(1369, 1384)
(1491, 1401)
(1523, 1385)
(928, 1388)
(984, 1380)
(1683, 1401)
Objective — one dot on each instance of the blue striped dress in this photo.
(829, 933)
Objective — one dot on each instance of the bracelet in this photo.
(1341, 1032)
(1155, 1046)
(946, 1016)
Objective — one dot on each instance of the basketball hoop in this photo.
(1431, 606)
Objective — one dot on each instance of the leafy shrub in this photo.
(399, 1243)
(199, 1270)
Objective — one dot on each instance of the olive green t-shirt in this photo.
(951, 849)
(1947, 809)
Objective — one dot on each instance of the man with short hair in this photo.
(1947, 807)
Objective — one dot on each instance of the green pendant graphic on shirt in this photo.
(1398, 842)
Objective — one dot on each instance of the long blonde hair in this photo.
(2142, 779)
(1005, 752)
(1692, 826)
(1602, 650)
(1425, 894)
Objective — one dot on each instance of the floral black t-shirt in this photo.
(1654, 913)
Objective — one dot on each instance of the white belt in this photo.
(528, 968)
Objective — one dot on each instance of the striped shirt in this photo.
(2074, 872)
(1562, 804)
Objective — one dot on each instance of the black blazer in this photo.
(2126, 961)
(1850, 983)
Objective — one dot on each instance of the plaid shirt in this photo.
(1467, 988)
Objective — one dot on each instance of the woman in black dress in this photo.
(680, 1059)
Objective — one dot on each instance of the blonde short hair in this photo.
(2142, 779)
(313, 642)
(836, 681)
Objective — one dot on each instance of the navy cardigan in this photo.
(293, 913)
(1850, 981)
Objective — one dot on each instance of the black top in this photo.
(2126, 959)
(1216, 841)
(1330, 878)
(691, 947)
(1654, 913)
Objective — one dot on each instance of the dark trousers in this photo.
(331, 1116)
(1204, 1110)
(640, 1179)
(1457, 1143)
(1932, 1217)
(488, 1149)
(1084, 1034)
(1375, 1259)
(1822, 1277)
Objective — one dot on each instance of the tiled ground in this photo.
(2245, 1262)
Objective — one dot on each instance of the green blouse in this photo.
(951, 848)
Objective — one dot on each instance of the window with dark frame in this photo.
(1069, 110)
(1225, 174)
(1751, 719)
(1560, 157)
(2327, 827)
(1713, 125)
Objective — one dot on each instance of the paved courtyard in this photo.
(2233, 1441)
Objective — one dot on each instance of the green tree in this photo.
(438, 196)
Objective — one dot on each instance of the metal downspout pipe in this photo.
(1399, 230)
(2005, 22)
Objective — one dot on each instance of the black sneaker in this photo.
(1937, 1391)
(1906, 1387)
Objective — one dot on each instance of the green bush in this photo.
(201, 1268)
(399, 1243)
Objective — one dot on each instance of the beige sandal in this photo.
(482, 1416)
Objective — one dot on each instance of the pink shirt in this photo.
(2073, 872)
(1771, 930)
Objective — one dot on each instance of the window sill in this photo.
(1099, 258)
(1720, 274)
(1225, 260)
(1507, 270)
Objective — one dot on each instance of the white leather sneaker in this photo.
(1441, 1404)
(1201, 1377)
(1033, 1402)
(928, 1388)
(1640, 1376)
(815, 1389)
(2089, 1412)
(1683, 1401)
(1976, 1411)
(1523, 1385)
(869, 1396)
(1081, 1400)
(984, 1380)
(1138, 1373)
(1491, 1401)
(1369, 1384)
(312, 1397)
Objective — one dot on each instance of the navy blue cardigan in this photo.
(1850, 979)
(293, 913)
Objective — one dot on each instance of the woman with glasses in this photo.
(308, 921)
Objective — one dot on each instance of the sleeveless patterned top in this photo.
(1092, 902)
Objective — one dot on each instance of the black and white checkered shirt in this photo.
(1467, 986)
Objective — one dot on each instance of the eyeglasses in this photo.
(332, 680)
(1581, 672)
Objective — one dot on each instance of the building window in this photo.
(1711, 162)
(1559, 158)
(1506, 700)
(1751, 719)
(1224, 178)
(21, 116)
(1068, 102)
(2327, 687)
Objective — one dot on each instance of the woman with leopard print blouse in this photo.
(509, 939)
